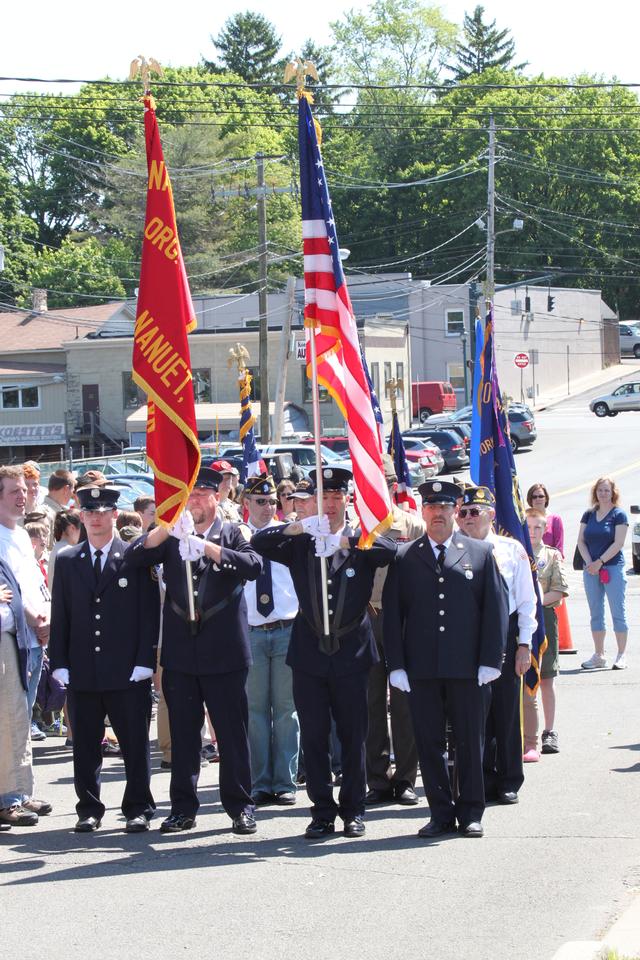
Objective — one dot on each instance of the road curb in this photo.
(623, 937)
(618, 372)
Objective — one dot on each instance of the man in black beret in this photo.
(445, 624)
(105, 623)
(206, 661)
(330, 672)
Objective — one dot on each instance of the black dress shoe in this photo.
(508, 796)
(375, 796)
(244, 824)
(473, 829)
(354, 828)
(405, 794)
(5, 826)
(87, 824)
(436, 829)
(318, 829)
(136, 824)
(177, 822)
(286, 798)
(262, 799)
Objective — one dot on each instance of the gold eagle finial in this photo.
(240, 356)
(300, 69)
(144, 68)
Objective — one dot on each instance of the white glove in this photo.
(487, 675)
(327, 546)
(141, 673)
(400, 680)
(61, 675)
(183, 526)
(191, 548)
(316, 526)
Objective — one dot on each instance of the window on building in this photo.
(387, 377)
(202, 385)
(374, 370)
(454, 322)
(307, 390)
(20, 398)
(132, 396)
(455, 375)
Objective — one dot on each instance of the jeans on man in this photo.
(36, 656)
(274, 731)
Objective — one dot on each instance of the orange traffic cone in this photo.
(565, 643)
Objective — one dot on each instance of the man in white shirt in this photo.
(503, 770)
(272, 604)
(17, 552)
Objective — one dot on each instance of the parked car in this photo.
(415, 448)
(522, 424)
(337, 444)
(431, 396)
(461, 427)
(450, 443)
(624, 397)
(629, 340)
(635, 539)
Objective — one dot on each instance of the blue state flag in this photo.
(494, 467)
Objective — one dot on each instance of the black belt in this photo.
(337, 633)
(272, 625)
(203, 615)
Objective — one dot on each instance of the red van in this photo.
(432, 396)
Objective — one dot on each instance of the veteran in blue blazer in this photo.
(105, 617)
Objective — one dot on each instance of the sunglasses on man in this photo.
(470, 512)
(262, 501)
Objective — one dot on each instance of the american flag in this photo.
(375, 405)
(329, 312)
(250, 455)
(404, 493)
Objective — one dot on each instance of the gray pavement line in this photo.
(612, 473)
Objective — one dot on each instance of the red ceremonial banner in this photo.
(161, 361)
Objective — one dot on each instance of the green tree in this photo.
(483, 46)
(75, 274)
(248, 46)
(17, 233)
(398, 42)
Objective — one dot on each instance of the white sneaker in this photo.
(595, 662)
(620, 662)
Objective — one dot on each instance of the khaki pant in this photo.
(162, 720)
(530, 721)
(16, 772)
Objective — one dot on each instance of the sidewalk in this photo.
(623, 939)
(620, 371)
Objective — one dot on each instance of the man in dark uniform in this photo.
(105, 623)
(330, 674)
(445, 617)
(207, 661)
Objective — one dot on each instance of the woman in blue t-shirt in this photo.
(603, 530)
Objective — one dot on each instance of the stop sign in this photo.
(521, 360)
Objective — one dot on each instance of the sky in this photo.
(73, 39)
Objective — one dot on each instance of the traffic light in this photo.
(551, 302)
(527, 304)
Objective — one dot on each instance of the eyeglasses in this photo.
(262, 501)
(538, 496)
(470, 512)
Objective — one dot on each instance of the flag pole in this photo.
(317, 431)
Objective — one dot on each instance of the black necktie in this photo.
(97, 565)
(440, 547)
(264, 590)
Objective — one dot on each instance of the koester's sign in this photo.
(26, 435)
(521, 360)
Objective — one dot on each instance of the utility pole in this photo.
(263, 351)
(283, 357)
(491, 212)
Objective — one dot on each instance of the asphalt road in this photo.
(559, 866)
